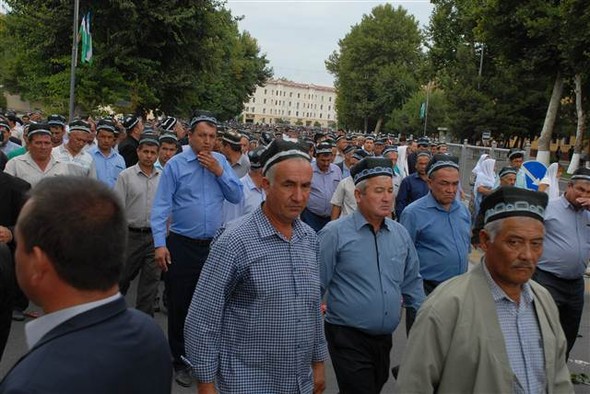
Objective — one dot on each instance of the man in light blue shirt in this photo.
(190, 197)
(108, 162)
(566, 250)
(439, 226)
(253, 192)
(368, 263)
(326, 177)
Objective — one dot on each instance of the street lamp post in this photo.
(74, 60)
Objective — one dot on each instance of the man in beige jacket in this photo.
(492, 330)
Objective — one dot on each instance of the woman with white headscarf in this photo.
(484, 182)
(550, 182)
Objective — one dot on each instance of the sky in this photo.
(297, 36)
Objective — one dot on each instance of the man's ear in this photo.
(484, 238)
(40, 266)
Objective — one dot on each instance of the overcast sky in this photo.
(298, 36)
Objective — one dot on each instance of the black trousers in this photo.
(568, 294)
(7, 287)
(429, 286)
(188, 257)
(360, 360)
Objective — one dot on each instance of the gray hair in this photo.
(271, 172)
(493, 228)
(361, 186)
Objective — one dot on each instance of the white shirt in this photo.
(25, 168)
(82, 159)
(343, 197)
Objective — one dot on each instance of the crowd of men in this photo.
(279, 248)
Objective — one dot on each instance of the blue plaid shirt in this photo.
(522, 336)
(254, 324)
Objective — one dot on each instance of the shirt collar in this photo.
(498, 294)
(432, 203)
(360, 221)
(249, 183)
(266, 229)
(317, 169)
(190, 154)
(36, 329)
(138, 171)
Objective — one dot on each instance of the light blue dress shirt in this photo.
(253, 197)
(323, 186)
(108, 167)
(441, 237)
(366, 274)
(193, 197)
(566, 246)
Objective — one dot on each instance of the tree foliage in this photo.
(169, 56)
(376, 67)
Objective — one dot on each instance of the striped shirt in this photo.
(522, 336)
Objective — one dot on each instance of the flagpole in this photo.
(74, 60)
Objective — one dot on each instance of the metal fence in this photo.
(469, 155)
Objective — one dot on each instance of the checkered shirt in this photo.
(254, 324)
(522, 336)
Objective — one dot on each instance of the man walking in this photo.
(254, 324)
(368, 265)
(190, 196)
(107, 161)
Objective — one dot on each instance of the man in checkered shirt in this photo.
(254, 324)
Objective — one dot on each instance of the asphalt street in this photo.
(579, 359)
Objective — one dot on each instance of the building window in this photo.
(263, 110)
(253, 99)
(328, 116)
(264, 101)
(264, 91)
(298, 94)
(289, 113)
(330, 99)
(320, 116)
(297, 113)
(290, 94)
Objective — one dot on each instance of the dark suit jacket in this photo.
(12, 197)
(109, 349)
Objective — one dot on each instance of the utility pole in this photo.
(426, 107)
(74, 60)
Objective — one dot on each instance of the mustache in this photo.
(522, 264)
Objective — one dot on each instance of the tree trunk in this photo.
(378, 125)
(575, 162)
(545, 139)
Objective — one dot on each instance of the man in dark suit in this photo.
(71, 243)
(12, 198)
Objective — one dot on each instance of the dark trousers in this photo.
(568, 295)
(140, 260)
(360, 360)
(188, 257)
(429, 286)
(7, 286)
(314, 221)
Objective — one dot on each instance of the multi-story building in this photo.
(284, 102)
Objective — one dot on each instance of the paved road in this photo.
(579, 362)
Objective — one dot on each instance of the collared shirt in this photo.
(193, 196)
(345, 170)
(441, 237)
(137, 190)
(158, 165)
(254, 324)
(323, 186)
(344, 196)
(82, 159)
(366, 274)
(253, 197)
(411, 189)
(522, 336)
(242, 166)
(108, 167)
(36, 329)
(566, 247)
(25, 168)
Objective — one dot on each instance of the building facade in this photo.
(284, 102)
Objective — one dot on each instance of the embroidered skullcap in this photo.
(255, 157)
(509, 201)
(442, 161)
(232, 137)
(582, 174)
(348, 149)
(38, 128)
(323, 148)
(169, 123)
(149, 138)
(371, 167)
(506, 171)
(106, 124)
(130, 121)
(168, 137)
(389, 149)
(56, 120)
(79, 125)
(279, 150)
(360, 154)
(515, 153)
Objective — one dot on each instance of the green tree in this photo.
(375, 67)
(164, 56)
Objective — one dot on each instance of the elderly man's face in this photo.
(443, 185)
(511, 257)
(78, 140)
(577, 191)
(421, 164)
(323, 161)
(376, 201)
(40, 147)
(508, 180)
(287, 186)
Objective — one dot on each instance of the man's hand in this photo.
(319, 378)
(209, 161)
(162, 257)
(584, 202)
(5, 234)
(206, 388)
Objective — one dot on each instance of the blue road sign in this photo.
(534, 171)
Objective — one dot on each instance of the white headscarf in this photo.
(477, 167)
(402, 160)
(487, 175)
(551, 180)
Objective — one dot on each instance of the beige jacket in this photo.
(456, 344)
